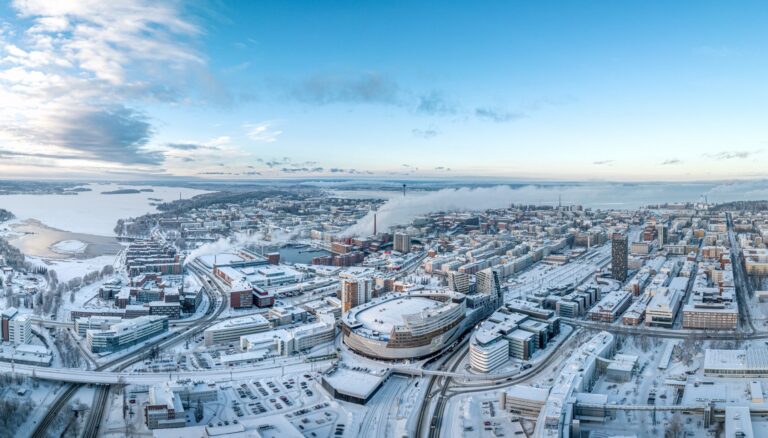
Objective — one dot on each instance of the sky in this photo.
(517, 90)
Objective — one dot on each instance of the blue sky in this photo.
(518, 90)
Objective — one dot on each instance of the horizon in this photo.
(137, 90)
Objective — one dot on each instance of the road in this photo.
(123, 362)
(740, 278)
(446, 393)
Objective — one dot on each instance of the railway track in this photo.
(102, 392)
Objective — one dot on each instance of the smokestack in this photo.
(374, 224)
(403, 189)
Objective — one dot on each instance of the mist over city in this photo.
(225, 218)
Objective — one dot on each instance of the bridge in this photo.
(83, 376)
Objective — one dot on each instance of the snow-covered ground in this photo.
(71, 268)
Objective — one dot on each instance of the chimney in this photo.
(374, 224)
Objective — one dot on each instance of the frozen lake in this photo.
(589, 194)
(91, 212)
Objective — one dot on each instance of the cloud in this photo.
(369, 87)
(261, 132)
(66, 69)
(671, 162)
(115, 134)
(498, 115)
(435, 103)
(603, 162)
(730, 155)
(443, 168)
(301, 169)
(425, 133)
(184, 146)
(350, 171)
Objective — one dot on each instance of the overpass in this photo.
(47, 323)
(83, 376)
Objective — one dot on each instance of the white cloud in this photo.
(67, 69)
(262, 132)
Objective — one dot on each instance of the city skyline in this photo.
(521, 91)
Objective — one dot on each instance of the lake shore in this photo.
(36, 239)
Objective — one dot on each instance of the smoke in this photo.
(237, 241)
(401, 210)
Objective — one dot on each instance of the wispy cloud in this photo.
(603, 162)
(670, 162)
(425, 133)
(184, 146)
(369, 87)
(436, 103)
(262, 132)
(731, 155)
(498, 115)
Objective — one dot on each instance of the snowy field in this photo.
(91, 212)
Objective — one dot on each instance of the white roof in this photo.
(527, 392)
(353, 383)
(753, 359)
(383, 317)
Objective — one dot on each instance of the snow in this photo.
(91, 212)
(389, 314)
(354, 383)
(71, 268)
(70, 247)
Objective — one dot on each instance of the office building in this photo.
(230, 331)
(126, 333)
(619, 256)
(355, 292)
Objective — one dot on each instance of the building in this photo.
(711, 305)
(487, 353)
(524, 400)
(459, 282)
(16, 327)
(402, 243)
(576, 376)
(749, 363)
(355, 292)
(26, 354)
(230, 331)
(288, 341)
(488, 282)
(611, 306)
(164, 409)
(619, 256)
(405, 326)
(241, 295)
(125, 333)
(664, 305)
(95, 322)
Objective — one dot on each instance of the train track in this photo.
(102, 392)
(438, 415)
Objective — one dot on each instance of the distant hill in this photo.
(5, 215)
(126, 191)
